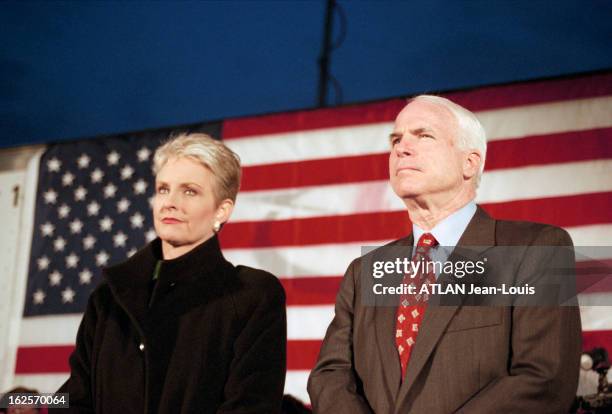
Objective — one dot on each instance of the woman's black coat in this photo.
(208, 337)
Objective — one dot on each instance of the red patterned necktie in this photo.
(411, 308)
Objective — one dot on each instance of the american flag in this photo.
(92, 210)
(315, 189)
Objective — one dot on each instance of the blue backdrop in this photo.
(78, 69)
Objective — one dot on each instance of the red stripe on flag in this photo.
(483, 98)
(314, 290)
(550, 149)
(43, 359)
(591, 276)
(316, 230)
(339, 170)
(534, 92)
(302, 355)
(594, 276)
(351, 115)
(511, 153)
(596, 339)
(568, 211)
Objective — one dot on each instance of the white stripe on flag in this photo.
(596, 318)
(517, 122)
(308, 322)
(497, 186)
(333, 259)
(49, 330)
(595, 235)
(295, 385)
(41, 382)
(547, 118)
(300, 261)
(304, 322)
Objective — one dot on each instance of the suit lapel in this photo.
(479, 233)
(385, 327)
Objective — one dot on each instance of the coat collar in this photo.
(130, 281)
(138, 269)
(480, 235)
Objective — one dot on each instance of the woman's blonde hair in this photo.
(213, 154)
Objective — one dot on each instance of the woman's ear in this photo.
(224, 211)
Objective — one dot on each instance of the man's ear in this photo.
(471, 164)
(224, 211)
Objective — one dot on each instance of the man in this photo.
(467, 359)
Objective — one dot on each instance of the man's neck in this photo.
(426, 212)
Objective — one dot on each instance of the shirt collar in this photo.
(449, 231)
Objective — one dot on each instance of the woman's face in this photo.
(184, 207)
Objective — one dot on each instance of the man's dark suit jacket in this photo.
(467, 359)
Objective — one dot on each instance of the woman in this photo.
(177, 328)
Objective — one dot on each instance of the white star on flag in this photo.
(123, 205)
(72, 260)
(93, 208)
(54, 165)
(38, 297)
(59, 244)
(150, 235)
(137, 220)
(106, 224)
(85, 277)
(126, 172)
(67, 179)
(47, 229)
(410, 341)
(43, 262)
(119, 239)
(50, 196)
(97, 175)
(55, 278)
(75, 226)
(83, 161)
(113, 158)
(88, 242)
(143, 154)
(68, 295)
(63, 211)
(109, 190)
(80, 193)
(102, 258)
(140, 186)
(398, 333)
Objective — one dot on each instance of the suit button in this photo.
(172, 284)
(141, 346)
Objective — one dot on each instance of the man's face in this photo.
(425, 159)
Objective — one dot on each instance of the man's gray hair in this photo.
(213, 154)
(471, 134)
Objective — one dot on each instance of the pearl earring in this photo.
(216, 227)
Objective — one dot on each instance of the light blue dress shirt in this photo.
(447, 232)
